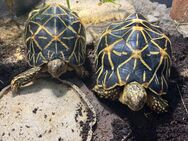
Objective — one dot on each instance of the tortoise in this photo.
(133, 60)
(56, 43)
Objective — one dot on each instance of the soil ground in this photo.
(125, 124)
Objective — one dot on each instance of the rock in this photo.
(91, 13)
(161, 6)
(179, 13)
(46, 110)
(179, 10)
(157, 11)
(152, 18)
(184, 73)
(183, 29)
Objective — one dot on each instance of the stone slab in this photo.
(46, 111)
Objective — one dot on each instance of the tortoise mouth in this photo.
(136, 107)
(57, 72)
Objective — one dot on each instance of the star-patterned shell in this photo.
(133, 50)
(55, 32)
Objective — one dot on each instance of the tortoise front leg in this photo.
(156, 103)
(81, 71)
(24, 78)
(112, 94)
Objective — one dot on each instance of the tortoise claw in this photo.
(14, 86)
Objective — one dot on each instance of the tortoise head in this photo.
(134, 96)
(57, 67)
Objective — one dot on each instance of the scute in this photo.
(135, 16)
(134, 50)
(55, 32)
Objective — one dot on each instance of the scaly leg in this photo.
(156, 103)
(24, 78)
(81, 71)
(112, 94)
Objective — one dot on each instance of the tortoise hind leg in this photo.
(24, 78)
(156, 103)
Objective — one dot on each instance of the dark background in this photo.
(168, 3)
